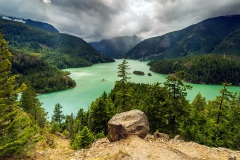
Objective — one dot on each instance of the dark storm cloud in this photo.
(97, 19)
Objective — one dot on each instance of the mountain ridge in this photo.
(36, 24)
(214, 35)
(115, 47)
(61, 50)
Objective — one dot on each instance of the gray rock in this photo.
(178, 137)
(232, 157)
(161, 136)
(124, 124)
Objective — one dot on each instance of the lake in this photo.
(93, 81)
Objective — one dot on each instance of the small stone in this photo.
(178, 137)
(232, 156)
(162, 136)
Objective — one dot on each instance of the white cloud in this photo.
(46, 1)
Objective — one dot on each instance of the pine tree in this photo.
(31, 104)
(58, 116)
(154, 107)
(176, 93)
(101, 112)
(123, 74)
(225, 96)
(197, 120)
(84, 139)
(16, 127)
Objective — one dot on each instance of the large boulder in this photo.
(124, 124)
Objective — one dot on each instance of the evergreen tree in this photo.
(58, 116)
(197, 120)
(31, 104)
(232, 127)
(101, 112)
(81, 120)
(16, 127)
(69, 123)
(84, 140)
(177, 111)
(154, 107)
(225, 96)
(220, 117)
(123, 74)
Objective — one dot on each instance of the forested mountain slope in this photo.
(59, 49)
(207, 69)
(42, 76)
(214, 35)
(115, 47)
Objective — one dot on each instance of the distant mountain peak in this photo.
(214, 35)
(22, 20)
(36, 24)
(116, 46)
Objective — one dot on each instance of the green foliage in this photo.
(197, 120)
(101, 112)
(66, 133)
(39, 74)
(100, 135)
(58, 116)
(168, 111)
(209, 69)
(123, 74)
(177, 110)
(55, 127)
(31, 104)
(17, 129)
(84, 139)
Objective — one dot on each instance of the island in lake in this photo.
(138, 72)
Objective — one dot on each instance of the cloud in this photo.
(46, 1)
(94, 20)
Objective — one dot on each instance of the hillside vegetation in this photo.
(42, 76)
(207, 69)
(213, 123)
(215, 35)
(58, 49)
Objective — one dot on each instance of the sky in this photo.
(93, 20)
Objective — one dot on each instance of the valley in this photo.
(90, 86)
(64, 77)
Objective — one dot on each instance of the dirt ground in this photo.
(134, 148)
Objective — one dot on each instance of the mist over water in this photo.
(93, 81)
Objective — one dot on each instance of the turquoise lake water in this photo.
(93, 81)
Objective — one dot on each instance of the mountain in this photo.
(214, 35)
(36, 24)
(61, 50)
(115, 47)
(42, 76)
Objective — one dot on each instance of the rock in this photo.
(161, 135)
(232, 157)
(149, 137)
(178, 137)
(124, 124)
